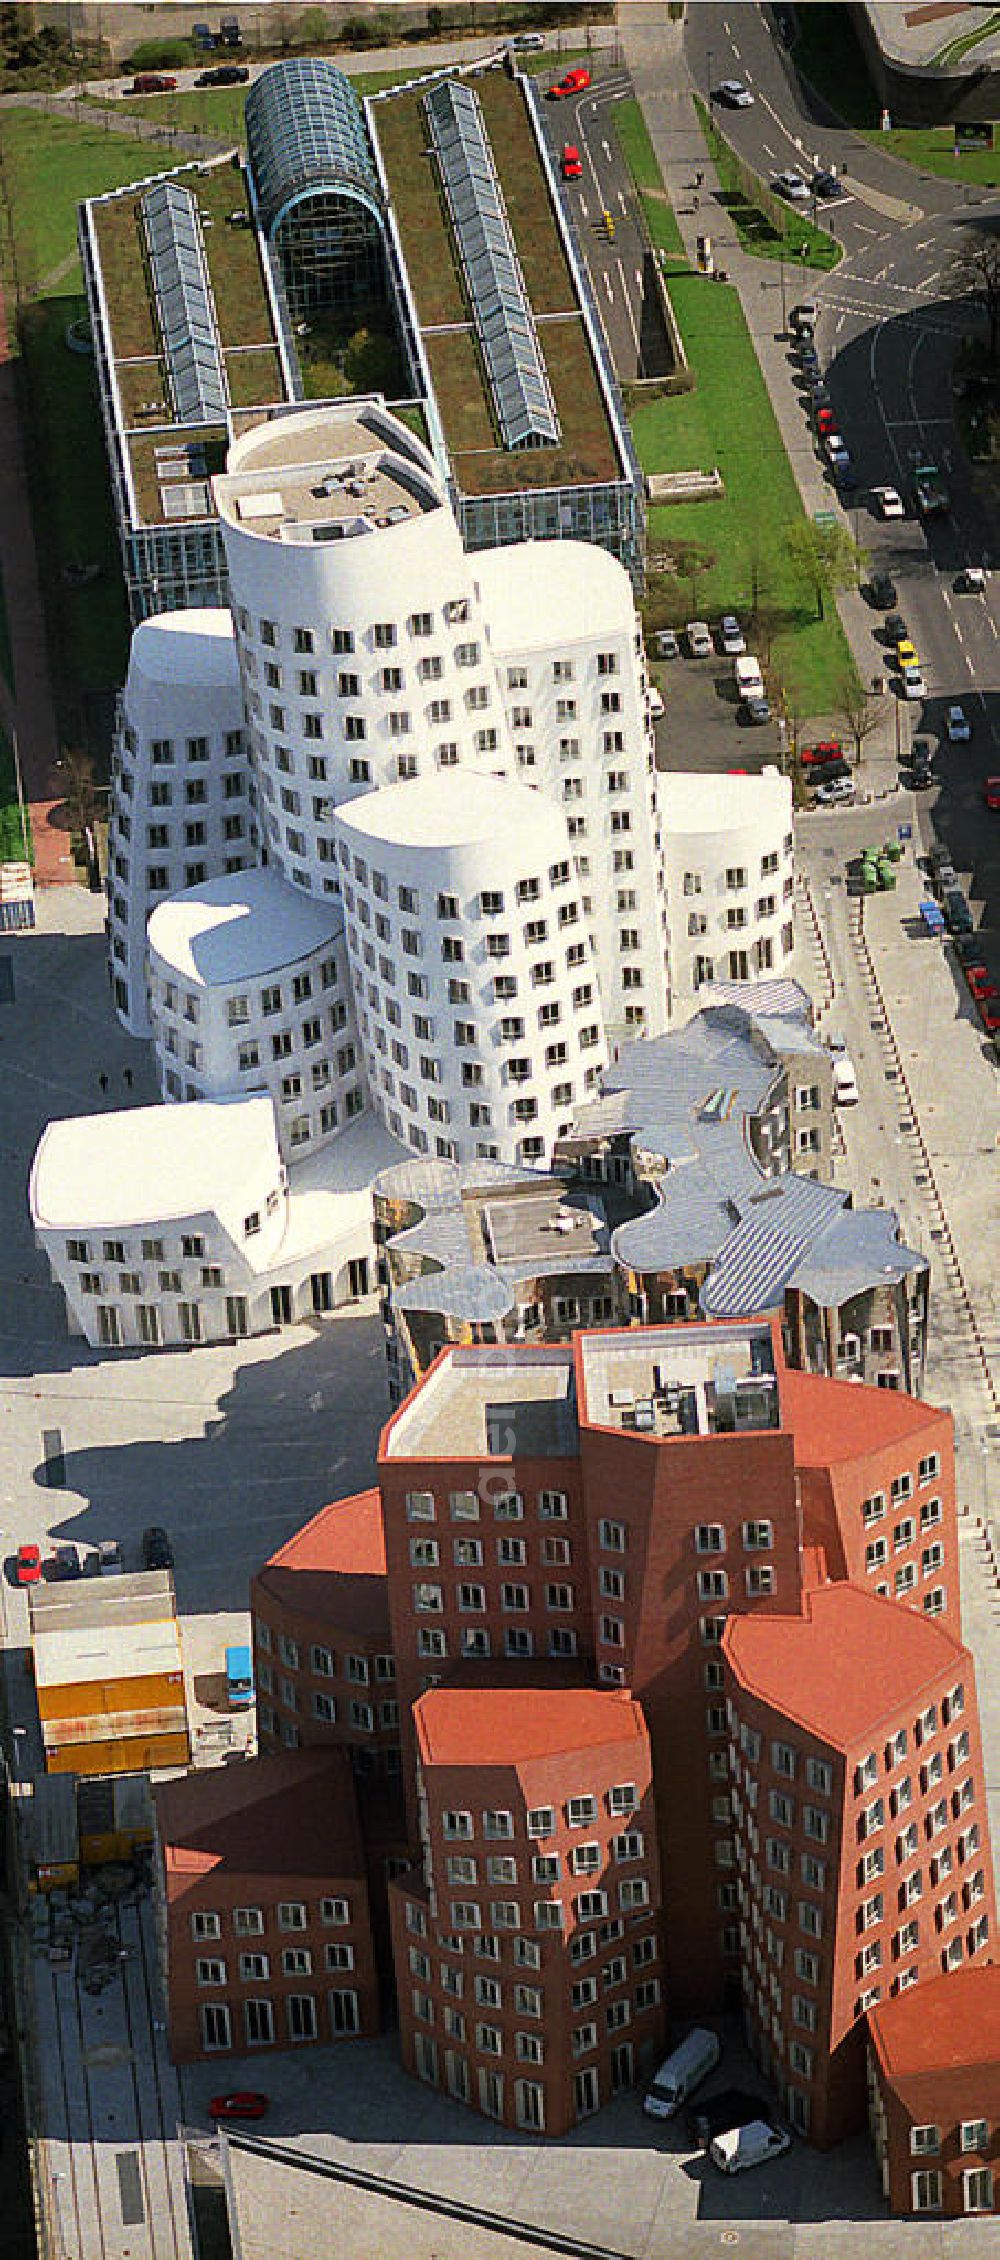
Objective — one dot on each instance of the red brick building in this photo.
(526, 1943)
(861, 1833)
(877, 1479)
(934, 2094)
(262, 1905)
(323, 1651)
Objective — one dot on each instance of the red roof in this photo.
(290, 1815)
(949, 2024)
(334, 1567)
(480, 1722)
(844, 1420)
(846, 1664)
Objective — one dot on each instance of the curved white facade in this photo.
(727, 850)
(249, 991)
(181, 805)
(571, 672)
(361, 642)
(474, 975)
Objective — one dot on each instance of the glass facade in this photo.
(317, 186)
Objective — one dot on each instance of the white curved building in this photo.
(181, 804)
(361, 642)
(249, 991)
(727, 855)
(474, 974)
(571, 670)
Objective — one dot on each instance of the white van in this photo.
(681, 2073)
(748, 2146)
(748, 677)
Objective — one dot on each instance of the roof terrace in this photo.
(490, 1402)
(681, 1380)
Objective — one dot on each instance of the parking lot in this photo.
(699, 728)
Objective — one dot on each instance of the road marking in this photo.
(946, 599)
(607, 150)
(638, 277)
(633, 325)
(609, 287)
(622, 205)
(769, 152)
(959, 638)
(839, 324)
(583, 207)
(864, 229)
(736, 51)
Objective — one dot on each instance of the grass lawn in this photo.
(14, 847)
(795, 238)
(640, 157)
(828, 54)
(728, 420)
(48, 165)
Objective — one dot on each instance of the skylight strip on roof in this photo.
(505, 325)
(184, 303)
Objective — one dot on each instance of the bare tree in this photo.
(861, 710)
(977, 275)
(826, 556)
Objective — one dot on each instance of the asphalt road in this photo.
(619, 264)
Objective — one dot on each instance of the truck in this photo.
(239, 1677)
(929, 491)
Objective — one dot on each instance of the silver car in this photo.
(699, 639)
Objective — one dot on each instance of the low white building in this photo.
(181, 807)
(249, 991)
(728, 869)
(180, 1225)
(571, 671)
(474, 973)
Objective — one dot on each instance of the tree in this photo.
(977, 275)
(861, 710)
(826, 556)
(80, 793)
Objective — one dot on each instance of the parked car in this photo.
(804, 315)
(666, 643)
(835, 793)
(153, 82)
(732, 2107)
(828, 773)
(888, 502)
(835, 447)
(920, 777)
(894, 628)
(913, 682)
(65, 1561)
(907, 654)
(699, 639)
(110, 1556)
(571, 161)
(157, 1551)
(747, 2146)
(654, 701)
(754, 711)
(981, 983)
(246, 2103)
(825, 749)
(734, 95)
(731, 636)
(28, 1565)
(826, 422)
(826, 186)
(967, 948)
(882, 592)
(957, 725)
(792, 186)
(575, 82)
(681, 2072)
(991, 792)
(972, 582)
(527, 43)
(957, 911)
(990, 1016)
(845, 1082)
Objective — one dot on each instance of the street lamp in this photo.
(709, 59)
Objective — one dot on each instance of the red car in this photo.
(828, 749)
(989, 1014)
(573, 83)
(28, 1566)
(247, 2103)
(991, 792)
(153, 82)
(981, 983)
(572, 162)
(825, 421)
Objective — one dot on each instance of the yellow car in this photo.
(906, 653)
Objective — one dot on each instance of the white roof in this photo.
(240, 927)
(535, 594)
(151, 1163)
(454, 808)
(330, 1193)
(691, 801)
(181, 648)
(80, 1654)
